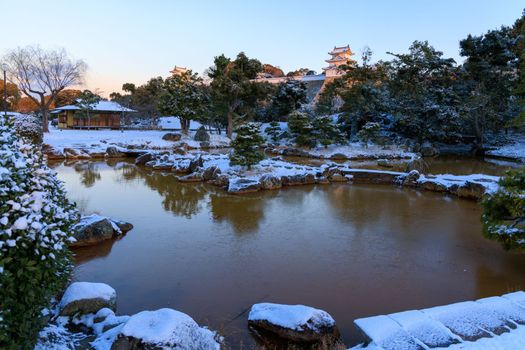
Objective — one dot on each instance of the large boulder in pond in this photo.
(297, 323)
(94, 229)
(87, 298)
(164, 329)
(202, 135)
(172, 136)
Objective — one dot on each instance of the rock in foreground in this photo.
(94, 229)
(87, 297)
(164, 329)
(297, 323)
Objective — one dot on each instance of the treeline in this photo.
(423, 95)
(419, 95)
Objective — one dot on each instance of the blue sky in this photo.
(131, 40)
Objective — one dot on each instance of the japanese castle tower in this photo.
(340, 56)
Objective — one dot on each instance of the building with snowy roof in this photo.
(102, 114)
(339, 56)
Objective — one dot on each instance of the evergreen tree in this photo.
(302, 129)
(246, 145)
(184, 97)
(87, 101)
(425, 99)
(504, 211)
(367, 96)
(273, 131)
(325, 131)
(369, 132)
(234, 93)
(489, 79)
(289, 97)
(35, 228)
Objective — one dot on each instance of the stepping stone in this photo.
(504, 309)
(387, 333)
(516, 297)
(470, 320)
(427, 330)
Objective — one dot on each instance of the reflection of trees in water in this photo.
(243, 212)
(89, 173)
(179, 198)
(362, 206)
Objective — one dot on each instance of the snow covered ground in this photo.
(357, 150)
(515, 150)
(98, 140)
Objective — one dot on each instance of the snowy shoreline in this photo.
(274, 173)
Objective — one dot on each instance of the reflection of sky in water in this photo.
(351, 250)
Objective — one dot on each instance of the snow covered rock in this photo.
(201, 135)
(242, 185)
(164, 329)
(211, 173)
(470, 190)
(113, 152)
(94, 229)
(299, 179)
(270, 182)
(143, 159)
(86, 298)
(411, 178)
(172, 136)
(296, 323)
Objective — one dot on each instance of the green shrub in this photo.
(504, 211)
(35, 227)
(301, 127)
(246, 150)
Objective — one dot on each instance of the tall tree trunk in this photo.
(229, 130)
(45, 119)
(185, 125)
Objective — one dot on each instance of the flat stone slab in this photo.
(443, 326)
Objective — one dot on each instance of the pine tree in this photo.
(35, 228)
(273, 131)
(246, 145)
(289, 97)
(301, 127)
(369, 132)
(326, 132)
(184, 96)
(504, 211)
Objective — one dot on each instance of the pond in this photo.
(352, 250)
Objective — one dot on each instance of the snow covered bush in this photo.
(35, 222)
(369, 132)
(273, 131)
(246, 150)
(29, 127)
(301, 127)
(504, 211)
(326, 131)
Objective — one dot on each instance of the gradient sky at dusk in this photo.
(131, 40)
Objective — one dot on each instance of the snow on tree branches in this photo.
(246, 145)
(35, 222)
(504, 211)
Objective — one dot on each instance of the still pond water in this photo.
(352, 250)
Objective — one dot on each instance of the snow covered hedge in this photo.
(29, 127)
(35, 222)
(504, 211)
